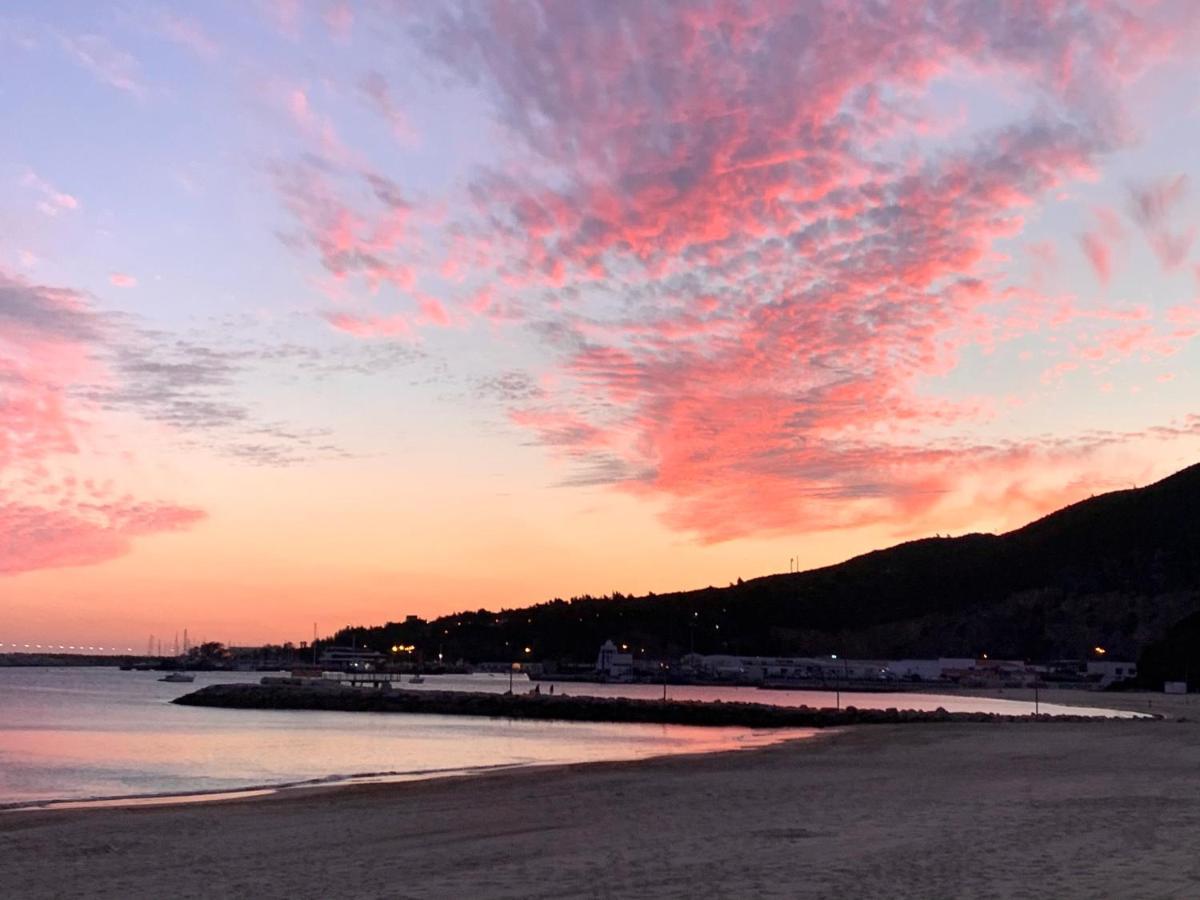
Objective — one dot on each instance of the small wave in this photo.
(246, 791)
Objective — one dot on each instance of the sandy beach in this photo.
(1027, 809)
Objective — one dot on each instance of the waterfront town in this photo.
(617, 663)
(621, 663)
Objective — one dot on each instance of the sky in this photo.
(329, 312)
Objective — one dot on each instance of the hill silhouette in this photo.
(1119, 570)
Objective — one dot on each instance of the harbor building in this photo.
(614, 664)
(349, 659)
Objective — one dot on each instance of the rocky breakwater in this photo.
(574, 708)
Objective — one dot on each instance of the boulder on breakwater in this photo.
(573, 708)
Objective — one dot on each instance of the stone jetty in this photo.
(575, 708)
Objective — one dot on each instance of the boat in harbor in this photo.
(179, 678)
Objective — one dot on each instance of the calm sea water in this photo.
(75, 734)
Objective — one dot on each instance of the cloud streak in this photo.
(40, 537)
(50, 339)
(106, 62)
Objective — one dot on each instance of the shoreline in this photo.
(254, 791)
(891, 810)
(1152, 703)
(1133, 701)
(764, 739)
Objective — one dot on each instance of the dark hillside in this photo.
(1119, 570)
(1139, 540)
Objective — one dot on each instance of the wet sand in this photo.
(1026, 809)
(1153, 703)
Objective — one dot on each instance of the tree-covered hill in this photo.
(1118, 570)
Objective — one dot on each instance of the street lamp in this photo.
(845, 677)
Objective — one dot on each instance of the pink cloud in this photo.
(1098, 254)
(350, 243)
(314, 125)
(120, 279)
(1154, 207)
(561, 428)
(370, 326)
(747, 298)
(53, 200)
(839, 283)
(433, 311)
(39, 537)
(1098, 244)
(107, 63)
(49, 338)
(374, 87)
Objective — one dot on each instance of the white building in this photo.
(614, 664)
(1110, 671)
